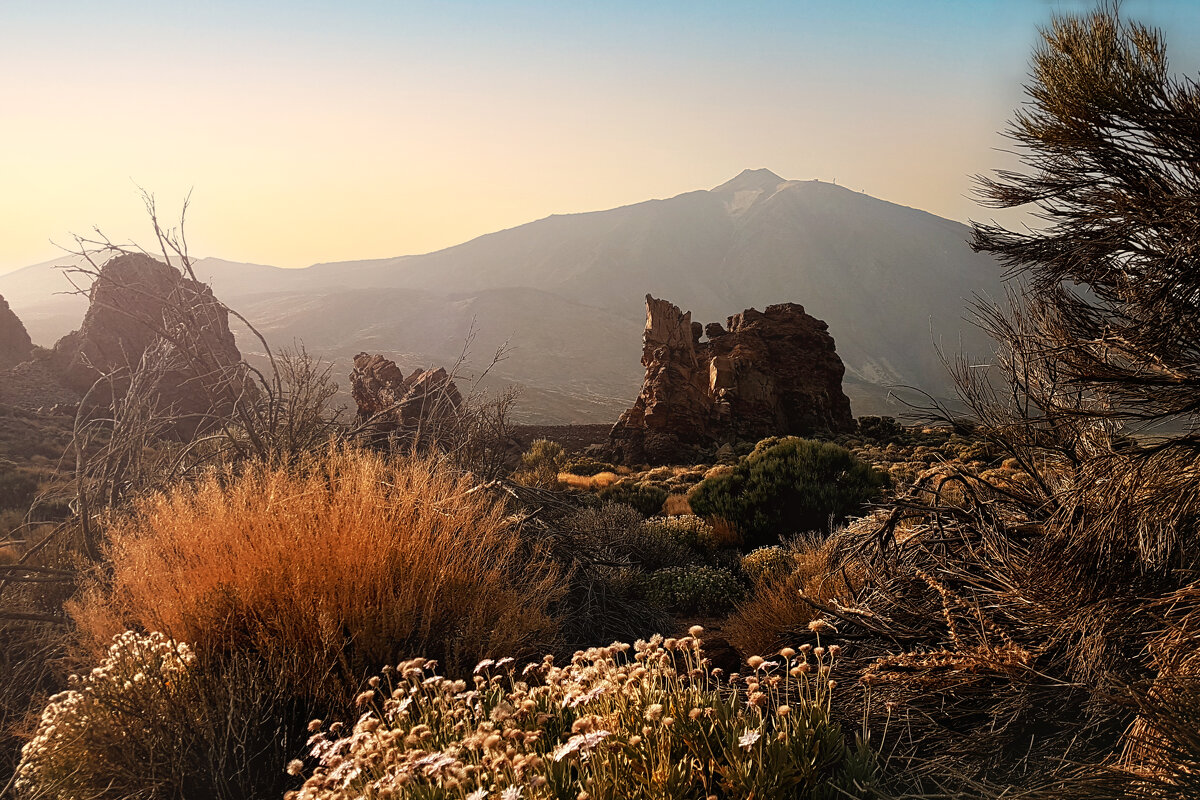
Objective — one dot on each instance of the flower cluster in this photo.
(695, 589)
(83, 739)
(653, 715)
(766, 563)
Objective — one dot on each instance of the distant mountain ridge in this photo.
(567, 290)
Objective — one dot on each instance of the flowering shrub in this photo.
(690, 531)
(655, 723)
(694, 589)
(108, 734)
(766, 563)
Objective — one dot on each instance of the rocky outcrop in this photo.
(425, 400)
(15, 344)
(147, 318)
(763, 373)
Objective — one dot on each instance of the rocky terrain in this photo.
(391, 401)
(768, 373)
(15, 344)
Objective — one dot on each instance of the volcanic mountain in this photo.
(566, 292)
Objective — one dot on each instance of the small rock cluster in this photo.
(426, 398)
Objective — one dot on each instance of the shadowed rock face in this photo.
(15, 344)
(143, 311)
(382, 393)
(765, 373)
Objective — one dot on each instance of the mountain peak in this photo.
(751, 179)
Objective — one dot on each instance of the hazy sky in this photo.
(315, 131)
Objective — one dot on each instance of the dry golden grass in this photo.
(725, 533)
(600, 480)
(339, 567)
(677, 505)
(774, 611)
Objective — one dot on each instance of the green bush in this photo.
(540, 464)
(788, 486)
(647, 498)
(587, 467)
(695, 589)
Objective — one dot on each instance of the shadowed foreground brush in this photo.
(655, 723)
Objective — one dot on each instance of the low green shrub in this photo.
(587, 467)
(788, 486)
(695, 589)
(540, 464)
(647, 498)
(655, 723)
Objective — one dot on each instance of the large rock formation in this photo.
(15, 344)
(147, 318)
(764, 373)
(425, 400)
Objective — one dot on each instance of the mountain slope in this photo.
(889, 280)
(567, 290)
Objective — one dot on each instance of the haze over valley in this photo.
(565, 293)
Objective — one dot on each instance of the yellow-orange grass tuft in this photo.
(677, 505)
(768, 619)
(598, 481)
(340, 567)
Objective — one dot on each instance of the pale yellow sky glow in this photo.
(363, 132)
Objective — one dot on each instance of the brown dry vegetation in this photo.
(775, 613)
(350, 561)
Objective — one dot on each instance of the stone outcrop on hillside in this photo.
(15, 344)
(763, 373)
(424, 400)
(143, 312)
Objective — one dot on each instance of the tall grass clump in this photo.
(325, 570)
(788, 486)
(656, 722)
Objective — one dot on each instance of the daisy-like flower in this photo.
(747, 739)
(511, 793)
(478, 794)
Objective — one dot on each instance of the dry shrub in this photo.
(600, 480)
(725, 533)
(350, 561)
(677, 505)
(775, 613)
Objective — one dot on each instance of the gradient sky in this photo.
(316, 131)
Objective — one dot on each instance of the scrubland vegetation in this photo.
(1000, 604)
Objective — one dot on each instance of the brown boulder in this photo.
(143, 312)
(426, 399)
(15, 344)
(765, 373)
